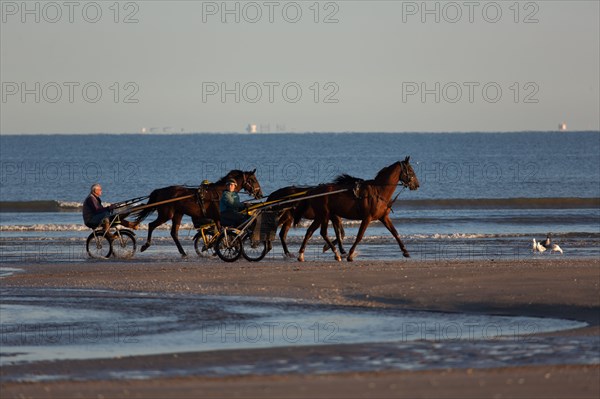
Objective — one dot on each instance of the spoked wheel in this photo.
(124, 245)
(228, 247)
(98, 246)
(253, 251)
(200, 245)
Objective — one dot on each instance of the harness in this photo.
(356, 190)
(200, 197)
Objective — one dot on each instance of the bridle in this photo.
(248, 186)
(404, 171)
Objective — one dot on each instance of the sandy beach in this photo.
(553, 287)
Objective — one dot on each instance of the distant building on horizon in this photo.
(166, 129)
(562, 127)
(252, 128)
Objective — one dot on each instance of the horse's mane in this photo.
(385, 170)
(235, 172)
(346, 179)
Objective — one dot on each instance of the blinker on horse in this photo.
(369, 200)
(199, 203)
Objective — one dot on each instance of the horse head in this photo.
(248, 182)
(408, 178)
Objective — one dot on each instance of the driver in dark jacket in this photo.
(94, 214)
(230, 206)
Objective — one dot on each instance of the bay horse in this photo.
(365, 201)
(286, 219)
(203, 203)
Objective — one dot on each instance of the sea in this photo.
(481, 195)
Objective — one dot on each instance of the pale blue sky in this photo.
(373, 63)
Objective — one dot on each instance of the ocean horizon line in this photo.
(294, 133)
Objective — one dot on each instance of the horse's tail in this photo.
(142, 214)
(299, 211)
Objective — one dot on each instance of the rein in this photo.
(395, 198)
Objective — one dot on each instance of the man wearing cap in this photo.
(230, 206)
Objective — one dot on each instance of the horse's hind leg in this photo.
(162, 218)
(336, 221)
(387, 222)
(361, 232)
(327, 240)
(176, 221)
(309, 232)
(285, 228)
(339, 232)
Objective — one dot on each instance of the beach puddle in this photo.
(43, 324)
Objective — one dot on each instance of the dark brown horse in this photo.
(286, 218)
(369, 200)
(202, 203)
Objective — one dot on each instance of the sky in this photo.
(298, 66)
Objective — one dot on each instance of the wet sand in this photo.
(548, 287)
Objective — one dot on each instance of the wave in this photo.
(449, 203)
(500, 203)
(79, 227)
(187, 229)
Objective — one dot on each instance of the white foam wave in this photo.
(44, 227)
(461, 236)
(345, 222)
(70, 204)
(77, 227)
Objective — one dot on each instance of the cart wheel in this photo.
(124, 246)
(253, 251)
(199, 245)
(98, 246)
(228, 248)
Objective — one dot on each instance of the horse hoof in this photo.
(338, 258)
(350, 258)
(406, 255)
(144, 247)
(301, 258)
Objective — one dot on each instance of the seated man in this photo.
(230, 206)
(94, 214)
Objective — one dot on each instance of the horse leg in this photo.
(336, 221)
(309, 232)
(361, 231)
(327, 240)
(176, 221)
(326, 246)
(387, 222)
(339, 232)
(162, 218)
(285, 228)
